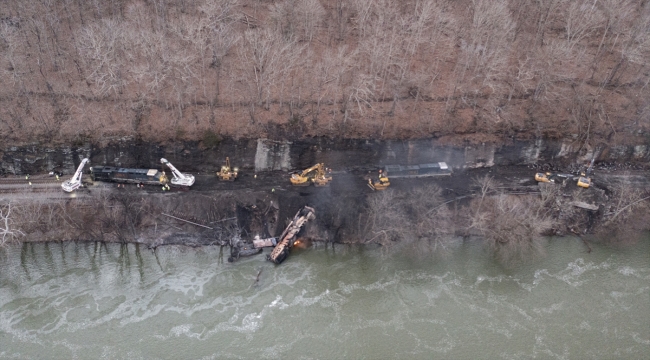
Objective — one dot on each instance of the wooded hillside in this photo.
(198, 69)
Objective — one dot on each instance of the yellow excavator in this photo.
(552, 177)
(543, 177)
(227, 173)
(584, 181)
(382, 183)
(317, 174)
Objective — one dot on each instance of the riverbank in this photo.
(502, 205)
(490, 193)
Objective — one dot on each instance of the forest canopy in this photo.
(176, 69)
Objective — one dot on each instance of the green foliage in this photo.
(211, 139)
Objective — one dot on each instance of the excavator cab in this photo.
(227, 173)
(584, 181)
(317, 174)
(382, 183)
(543, 177)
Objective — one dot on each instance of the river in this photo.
(89, 301)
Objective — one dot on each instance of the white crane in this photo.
(75, 183)
(179, 178)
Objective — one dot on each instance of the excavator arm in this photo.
(75, 182)
(179, 179)
(315, 174)
(584, 181)
(317, 167)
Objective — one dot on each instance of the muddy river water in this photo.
(90, 301)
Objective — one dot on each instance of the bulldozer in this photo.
(317, 174)
(382, 183)
(227, 173)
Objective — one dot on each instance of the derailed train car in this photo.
(125, 175)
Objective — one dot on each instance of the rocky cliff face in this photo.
(267, 155)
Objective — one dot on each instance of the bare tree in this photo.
(297, 19)
(211, 36)
(513, 227)
(627, 200)
(583, 19)
(385, 223)
(486, 185)
(8, 232)
(485, 52)
(429, 215)
(11, 47)
(265, 59)
(634, 46)
(101, 46)
(417, 217)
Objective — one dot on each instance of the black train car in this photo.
(416, 171)
(125, 175)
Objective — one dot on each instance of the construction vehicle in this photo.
(382, 183)
(543, 177)
(584, 180)
(75, 182)
(179, 178)
(317, 174)
(227, 173)
(289, 235)
(552, 177)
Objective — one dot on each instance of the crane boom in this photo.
(179, 178)
(75, 182)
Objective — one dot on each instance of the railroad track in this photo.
(14, 181)
(29, 190)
